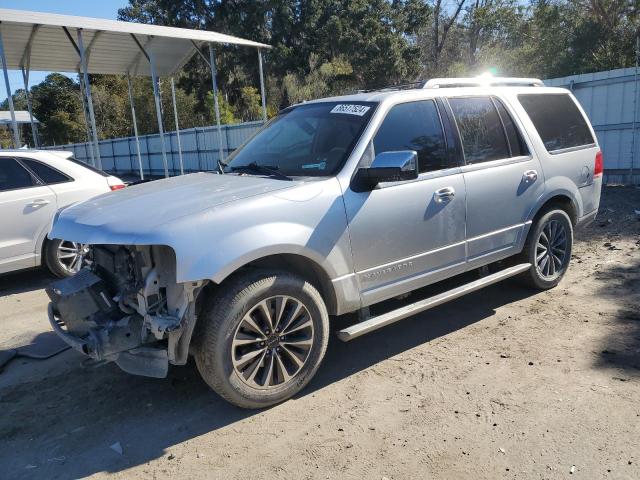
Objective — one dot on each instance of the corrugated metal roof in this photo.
(22, 116)
(112, 49)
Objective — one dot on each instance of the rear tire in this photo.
(261, 338)
(548, 249)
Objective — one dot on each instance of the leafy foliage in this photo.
(327, 47)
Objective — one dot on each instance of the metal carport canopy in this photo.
(22, 116)
(111, 48)
(64, 43)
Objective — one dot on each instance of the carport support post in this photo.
(135, 126)
(14, 124)
(175, 116)
(86, 120)
(212, 63)
(156, 96)
(34, 130)
(87, 91)
(635, 112)
(262, 94)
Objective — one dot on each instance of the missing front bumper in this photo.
(116, 344)
(83, 314)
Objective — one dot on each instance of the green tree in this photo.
(57, 104)
(374, 37)
(227, 116)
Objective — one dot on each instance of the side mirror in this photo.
(390, 167)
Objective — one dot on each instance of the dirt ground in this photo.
(504, 383)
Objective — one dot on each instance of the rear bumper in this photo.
(587, 219)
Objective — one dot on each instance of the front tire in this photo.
(261, 338)
(64, 258)
(548, 249)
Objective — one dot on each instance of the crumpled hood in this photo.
(138, 209)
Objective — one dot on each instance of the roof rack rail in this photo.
(399, 86)
(483, 81)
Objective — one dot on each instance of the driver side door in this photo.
(409, 234)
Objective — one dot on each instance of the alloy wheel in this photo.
(71, 255)
(272, 342)
(551, 250)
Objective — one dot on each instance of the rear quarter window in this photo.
(47, 174)
(88, 167)
(558, 121)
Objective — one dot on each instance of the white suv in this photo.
(34, 185)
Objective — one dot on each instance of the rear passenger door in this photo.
(503, 180)
(26, 209)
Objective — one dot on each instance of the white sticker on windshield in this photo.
(351, 109)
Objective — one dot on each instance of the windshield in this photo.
(308, 140)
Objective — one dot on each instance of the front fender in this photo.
(214, 244)
(259, 241)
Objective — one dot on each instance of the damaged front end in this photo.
(126, 307)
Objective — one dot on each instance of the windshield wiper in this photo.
(269, 170)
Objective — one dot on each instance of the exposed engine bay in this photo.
(126, 307)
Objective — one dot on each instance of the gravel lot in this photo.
(504, 383)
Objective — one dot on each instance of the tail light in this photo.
(118, 186)
(598, 168)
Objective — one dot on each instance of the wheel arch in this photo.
(562, 200)
(41, 246)
(301, 265)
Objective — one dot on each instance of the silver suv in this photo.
(334, 206)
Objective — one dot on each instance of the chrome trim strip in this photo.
(572, 149)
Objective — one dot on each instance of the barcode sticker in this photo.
(351, 109)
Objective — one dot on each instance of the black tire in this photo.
(54, 263)
(544, 275)
(219, 325)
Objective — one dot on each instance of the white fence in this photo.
(199, 149)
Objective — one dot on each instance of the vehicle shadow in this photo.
(24, 281)
(64, 425)
(621, 348)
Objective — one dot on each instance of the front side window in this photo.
(557, 120)
(48, 175)
(414, 126)
(483, 137)
(14, 176)
(308, 140)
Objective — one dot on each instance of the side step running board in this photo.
(374, 323)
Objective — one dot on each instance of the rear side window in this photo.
(480, 127)
(47, 174)
(414, 126)
(557, 120)
(517, 147)
(14, 176)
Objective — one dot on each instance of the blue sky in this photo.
(83, 8)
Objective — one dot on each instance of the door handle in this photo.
(444, 195)
(530, 176)
(39, 202)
